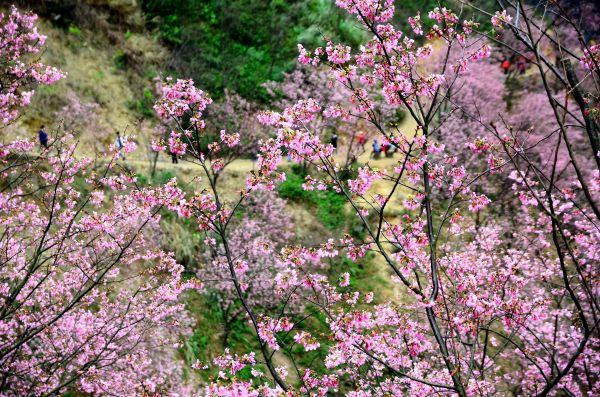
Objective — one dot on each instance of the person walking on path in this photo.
(376, 149)
(505, 66)
(384, 147)
(119, 145)
(361, 139)
(43, 136)
(334, 142)
(174, 158)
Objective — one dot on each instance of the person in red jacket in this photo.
(361, 139)
(384, 148)
(505, 66)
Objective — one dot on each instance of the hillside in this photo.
(361, 198)
(108, 68)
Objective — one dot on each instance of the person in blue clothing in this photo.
(376, 149)
(43, 138)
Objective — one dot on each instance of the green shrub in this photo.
(200, 345)
(145, 105)
(196, 345)
(330, 206)
(141, 179)
(47, 89)
(74, 30)
(298, 170)
(98, 75)
(120, 59)
(226, 49)
(164, 177)
(291, 188)
(331, 209)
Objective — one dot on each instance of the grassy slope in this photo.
(93, 76)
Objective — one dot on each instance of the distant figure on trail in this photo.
(505, 66)
(174, 159)
(43, 138)
(384, 148)
(334, 142)
(361, 139)
(391, 149)
(376, 149)
(119, 145)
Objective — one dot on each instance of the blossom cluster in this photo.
(591, 57)
(19, 69)
(108, 293)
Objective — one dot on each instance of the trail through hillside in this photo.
(244, 166)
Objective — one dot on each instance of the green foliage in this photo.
(241, 336)
(144, 105)
(47, 89)
(331, 210)
(74, 30)
(330, 206)
(206, 340)
(164, 177)
(170, 29)
(196, 345)
(200, 344)
(240, 44)
(291, 188)
(141, 179)
(120, 59)
(99, 75)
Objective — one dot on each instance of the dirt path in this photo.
(245, 165)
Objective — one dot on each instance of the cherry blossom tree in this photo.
(19, 67)
(85, 299)
(493, 305)
(258, 237)
(82, 120)
(307, 82)
(493, 295)
(183, 106)
(236, 115)
(228, 131)
(87, 302)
